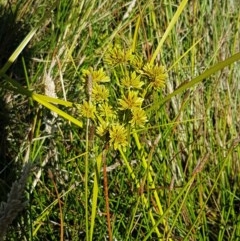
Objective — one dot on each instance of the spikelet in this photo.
(15, 202)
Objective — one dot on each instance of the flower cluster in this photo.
(117, 55)
(119, 105)
(132, 80)
(156, 74)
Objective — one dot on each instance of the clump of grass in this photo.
(173, 143)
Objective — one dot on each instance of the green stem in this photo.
(149, 170)
(86, 180)
(144, 199)
(95, 192)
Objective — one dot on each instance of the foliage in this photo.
(129, 113)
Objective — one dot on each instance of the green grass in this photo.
(179, 177)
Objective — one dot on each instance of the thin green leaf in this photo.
(169, 28)
(182, 56)
(43, 100)
(95, 194)
(198, 79)
(18, 51)
(56, 110)
(55, 100)
(203, 76)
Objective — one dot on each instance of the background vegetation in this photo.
(190, 140)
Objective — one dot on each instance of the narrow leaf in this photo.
(56, 110)
(18, 51)
(203, 76)
(169, 28)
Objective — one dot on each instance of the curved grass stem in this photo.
(143, 198)
(146, 165)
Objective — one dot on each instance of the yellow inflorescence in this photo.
(117, 102)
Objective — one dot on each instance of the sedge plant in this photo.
(116, 113)
(120, 116)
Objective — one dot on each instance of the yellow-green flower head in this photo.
(139, 117)
(103, 128)
(118, 136)
(132, 80)
(118, 55)
(131, 101)
(88, 110)
(105, 110)
(156, 74)
(99, 93)
(96, 76)
(137, 62)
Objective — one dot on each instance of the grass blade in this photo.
(169, 28)
(199, 78)
(18, 51)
